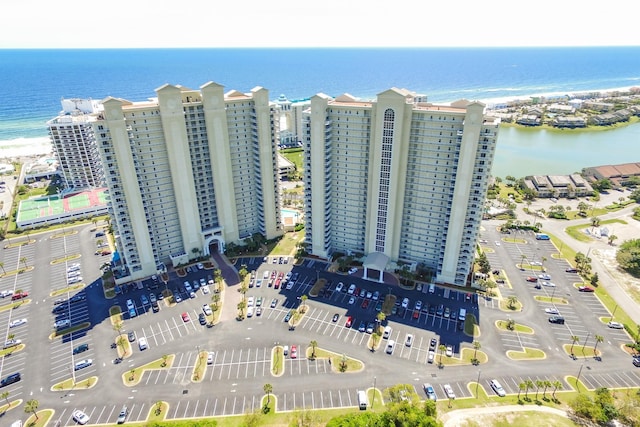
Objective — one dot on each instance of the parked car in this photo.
(353, 270)
(62, 323)
(19, 295)
(586, 289)
(185, 317)
(405, 303)
(12, 343)
(10, 379)
(532, 279)
(495, 385)
(83, 364)
(431, 393)
(556, 319)
(349, 322)
(131, 336)
(544, 276)
(615, 325)
(449, 391)
(206, 309)
(17, 322)
(81, 348)
(408, 340)
(122, 416)
(335, 317)
(449, 350)
(391, 344)
(571, 270)
(431, 356)
(432, 344)
(294, 352)
(80, 417)
(210, 356)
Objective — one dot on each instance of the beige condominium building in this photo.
(188, 172)
(397, 179)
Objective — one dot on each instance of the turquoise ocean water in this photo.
(32, 82)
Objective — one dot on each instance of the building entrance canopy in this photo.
(375, 261)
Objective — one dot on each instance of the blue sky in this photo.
(327, 23)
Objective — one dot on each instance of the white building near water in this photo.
(186, 170)
(399, 177)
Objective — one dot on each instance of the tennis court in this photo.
(49, 208)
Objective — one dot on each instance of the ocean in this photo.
(32, 82)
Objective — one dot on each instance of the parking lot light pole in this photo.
(614, 313)
(578, 378)
(478, 383)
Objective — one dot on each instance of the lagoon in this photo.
(529, 151)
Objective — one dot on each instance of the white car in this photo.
(352, 289)
(64, 323)
(250, 302)
(142, 343)
(80, 417)
(83, 364)
(551, 311)
(210, 358)
(353, 270)
(418, 305)
(495, 385)
(17, 322)
(432, 356)
(130, 305)
(207, 309)
(408, 340)
(549, 284)
(352, 300)
(544, 277)
(205, 289)
(449, 391)
(200, 266)
(250, 312)
(497, 243)
(615, 325)
(405, 303)
(449, 351)
(12, 343)
(390, 346)
(339, 287)
(5, 294)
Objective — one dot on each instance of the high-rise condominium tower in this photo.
(75, 146)
(398, 179)
(188, 170)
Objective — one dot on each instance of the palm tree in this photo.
(243, 272)
(268, 388)
(24, 261)
(476, 347)
(539, 385)
(5, 396)
(521, 388)
(32, 406)
(611, 238)
(2, 267)
(599, 339)
(512, 300)
(303, 299)
(542, 261)
(241, 306)
(313, 344)
(556, 385)
(380, 316)
(574, 340)
(523, 257)
(547, 384)
(442, 349)
(528, 385)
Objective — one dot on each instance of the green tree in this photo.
(539, 385)
(483, 263)
(594, 279)
(32, 407)
(547, 384)
(528, 385)
(268, 389)
(313, 345)
(557, 385)
(521, 387)
(574, 340)
(442, 349)
(476, 347)
(2, 267)
(23, 260)
(243, 272)
(5, 396)
(628, 257)
(512, 301)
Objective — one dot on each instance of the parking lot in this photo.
(242, 350)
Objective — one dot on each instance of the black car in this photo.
(571, 270)
(432, 344)
(335, 317)
(636, 361)
(13, 378)
(202, 319)
(77, 298)
(155, 307)
(81, 348)
(132, 336)
(556, 319)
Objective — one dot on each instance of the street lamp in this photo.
(478, 383)
(578, 377)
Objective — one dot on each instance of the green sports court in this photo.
(52, 209)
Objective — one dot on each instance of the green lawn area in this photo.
(502, 325)
(577, 231)
(527, 354)
(294, 155)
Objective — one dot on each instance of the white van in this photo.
(285, 350)
(387, 332)
(432, 288)
(266, 275)
(362, 400)
(142, 343)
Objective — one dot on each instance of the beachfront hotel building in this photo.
(397, 179)
(188, 172)
(74, 145)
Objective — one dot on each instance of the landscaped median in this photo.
(70, 384)
(527, 353)
(466, 358)
(200, 368)
(63, 332)
(277, 361)
(133, 376)
(339, 362)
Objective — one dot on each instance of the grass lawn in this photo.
(132, 377)
(201, 367)
(527, 354)
(71, 288)
(554, 300)
(294, 155)
(42, 419)
(157, 412)
(277, 360)
(69, 384)
(505, 306)
(287, 244)
(578, 351)
(502, 325)
(352, 365)
(577, 231)
(464, 359)
(14, 305)
(471, 327)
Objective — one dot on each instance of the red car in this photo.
(185, 317)
(349, 322)
(586, 289)
(19, 295)
(416, 314)
(294, 351)
(277, 284)
(532, 279)
(365, 303)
